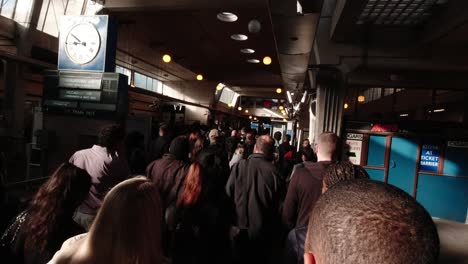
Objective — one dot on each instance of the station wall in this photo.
(396, 159)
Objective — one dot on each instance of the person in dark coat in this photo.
(161, 145)
(249, 143)
(253, 188)
(231, 143)
(285, 157)
(135, 152)
(305, 185)
(169, 172)
(335, 173)
(200, 231)
(40, 230)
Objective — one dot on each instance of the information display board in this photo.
(86, 94)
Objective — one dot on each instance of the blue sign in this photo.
(429, 158)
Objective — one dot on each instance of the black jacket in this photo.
(65, 229)
(304, 190)
(295, 246)
(159, 147)
(169, 174)
(253, 187)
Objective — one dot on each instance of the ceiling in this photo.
(199, 43)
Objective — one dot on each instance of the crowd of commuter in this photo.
(217, 196)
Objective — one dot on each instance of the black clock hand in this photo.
(75, 37)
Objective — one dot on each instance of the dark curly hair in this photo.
(110, 136)
(56, 200)
(341, 171)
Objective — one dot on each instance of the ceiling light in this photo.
(239, 108)
(219, 87)
(255, 118)
(439, 110)
(404, 115)
(304, 97)
(247, 51)
(281, 107)
(254, 26)
(278, 90)
(285, 120)
(361, 99)
(272, 113)
(346, 106)
(267, 60)
(239, 37)
(284, 114)
(227, 17)
(253, 61)
(289, 97)
(166, 58)
(299, 7)
(250, 117)
(246, 110)
(199, 77)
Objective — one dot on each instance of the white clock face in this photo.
(83, 43)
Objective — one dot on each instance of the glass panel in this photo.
(149, 84)
(159, 88)
(74, 7)
(92, 8)
(124, 71)
(40, 23)
(140, 80)
(23, 12)
(154, 88)
(8, 7)
(56, 10)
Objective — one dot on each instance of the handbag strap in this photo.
(10, 234)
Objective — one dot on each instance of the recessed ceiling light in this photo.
(247, 51)
(227, 17)
(239, 37)
(267, 60)
(166, 58)
(253, 61)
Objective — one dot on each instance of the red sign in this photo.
(384, 128)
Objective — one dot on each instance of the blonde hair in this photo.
(127, 228)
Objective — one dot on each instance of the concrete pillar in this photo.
(312, 120)
(329, 105)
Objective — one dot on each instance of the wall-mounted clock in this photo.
(87, 43)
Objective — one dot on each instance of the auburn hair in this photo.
(55, 201)
(192, 187)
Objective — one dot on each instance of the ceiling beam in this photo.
(151, 5)
(454, 16)
(416, 79)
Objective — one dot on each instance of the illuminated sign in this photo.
(384, 128)
(353, 148)
(429, 158)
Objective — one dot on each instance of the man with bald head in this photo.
(253, 188)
